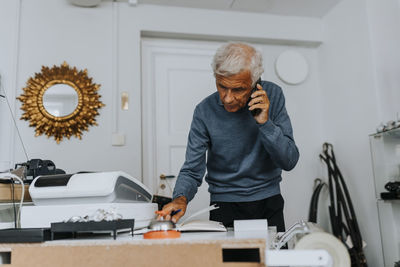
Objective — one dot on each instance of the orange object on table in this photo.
(162, 234)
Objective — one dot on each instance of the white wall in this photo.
(384, 25)
(9, 12)
(350, 110)
(49, 37)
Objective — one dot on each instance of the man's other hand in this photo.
(179, 203)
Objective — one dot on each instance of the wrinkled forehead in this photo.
(242, 79)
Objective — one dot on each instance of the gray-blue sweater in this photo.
(244, 159)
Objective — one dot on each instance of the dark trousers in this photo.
(269, 208)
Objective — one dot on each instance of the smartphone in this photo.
(256, 111)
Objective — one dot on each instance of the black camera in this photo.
(36, 167)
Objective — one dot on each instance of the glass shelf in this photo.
(385, 153)
(394, 132)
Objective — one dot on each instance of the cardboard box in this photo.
(6, 193)
(176, 253)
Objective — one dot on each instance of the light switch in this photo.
(118, 139)
(124, 101)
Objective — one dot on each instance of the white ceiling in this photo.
(302, 8)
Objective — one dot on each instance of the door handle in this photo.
(163, 176)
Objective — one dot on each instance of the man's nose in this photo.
(228, 97)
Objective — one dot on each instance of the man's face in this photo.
(234, 90)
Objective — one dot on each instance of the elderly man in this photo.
(248, 136)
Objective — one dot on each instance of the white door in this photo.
(177, 75)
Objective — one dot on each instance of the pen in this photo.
(175, 212)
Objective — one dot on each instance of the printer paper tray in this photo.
(76, 227)
(43, 216)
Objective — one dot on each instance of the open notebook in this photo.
(200, 225)
(189, 225)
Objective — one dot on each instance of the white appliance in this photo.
(58, 198)
(313, 244)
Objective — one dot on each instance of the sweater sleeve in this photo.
(191, 174)
(277, 134)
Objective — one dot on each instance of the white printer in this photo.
(58, 198)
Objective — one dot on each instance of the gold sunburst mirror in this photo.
(60, 102)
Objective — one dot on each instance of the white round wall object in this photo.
(85, 3)
(291, 67)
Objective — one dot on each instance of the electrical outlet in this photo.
(118, 139)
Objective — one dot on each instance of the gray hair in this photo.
(233, 58)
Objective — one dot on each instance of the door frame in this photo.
(150, 47)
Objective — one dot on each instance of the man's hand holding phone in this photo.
(259, 100)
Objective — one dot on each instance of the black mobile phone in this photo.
(256, 111)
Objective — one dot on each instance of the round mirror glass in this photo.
(60, 100)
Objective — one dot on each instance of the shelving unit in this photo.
(385, 151)
(7, 213)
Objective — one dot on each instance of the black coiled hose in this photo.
(312, 215)
(342, 216)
